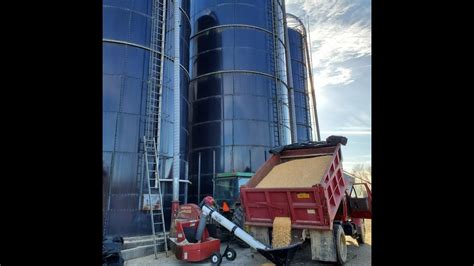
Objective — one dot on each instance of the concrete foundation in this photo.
(136, 247)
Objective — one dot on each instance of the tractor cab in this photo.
(227, 196)
(227, 190)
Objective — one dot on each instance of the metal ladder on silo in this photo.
(153, 181)
(277, 130)
(151, 140)
(153, 122)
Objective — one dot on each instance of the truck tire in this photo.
(361, 233)
(341, 247)
(239, 219)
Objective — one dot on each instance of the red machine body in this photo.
(186, 222)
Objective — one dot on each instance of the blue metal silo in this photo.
(238, 89)
(127, 54)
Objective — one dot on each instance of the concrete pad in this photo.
(356, 256)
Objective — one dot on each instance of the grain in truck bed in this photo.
(296, 173)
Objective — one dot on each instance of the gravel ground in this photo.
(357, 255)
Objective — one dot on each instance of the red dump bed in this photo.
(310, 207)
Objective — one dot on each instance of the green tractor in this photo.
(227, 197)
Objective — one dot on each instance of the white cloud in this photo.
(356, 124)
(353, 163)
(357, 120)
(349, 165)
(340, 32)
(333, 76)
(334, 42)
(354, 128)
(336, 36)
(347, 132)
(357, 158)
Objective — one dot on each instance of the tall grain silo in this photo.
(132, 60)
(301, 73)
(238, 90)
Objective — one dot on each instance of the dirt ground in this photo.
(356, 255)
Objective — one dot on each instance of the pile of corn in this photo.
(296, 173)
(281, 235)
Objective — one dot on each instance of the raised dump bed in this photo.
(303, 182)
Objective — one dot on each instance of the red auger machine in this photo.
(194, 242)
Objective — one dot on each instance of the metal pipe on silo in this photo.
(291, 91)
(177, 111)
(313, 98)
(199, 177)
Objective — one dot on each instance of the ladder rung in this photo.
(158, 223)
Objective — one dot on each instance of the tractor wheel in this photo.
(216, 258)
(361, 233)
(230, 254)
(341, 247)
(239, 219)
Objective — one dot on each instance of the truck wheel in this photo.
(361, 233)
(230, 254)
(341, 247)
(216, 258)
(239, 220)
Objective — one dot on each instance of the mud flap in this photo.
(323, 246)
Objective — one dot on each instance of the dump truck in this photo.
(305, 182)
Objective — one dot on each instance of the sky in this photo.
(340, 32)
